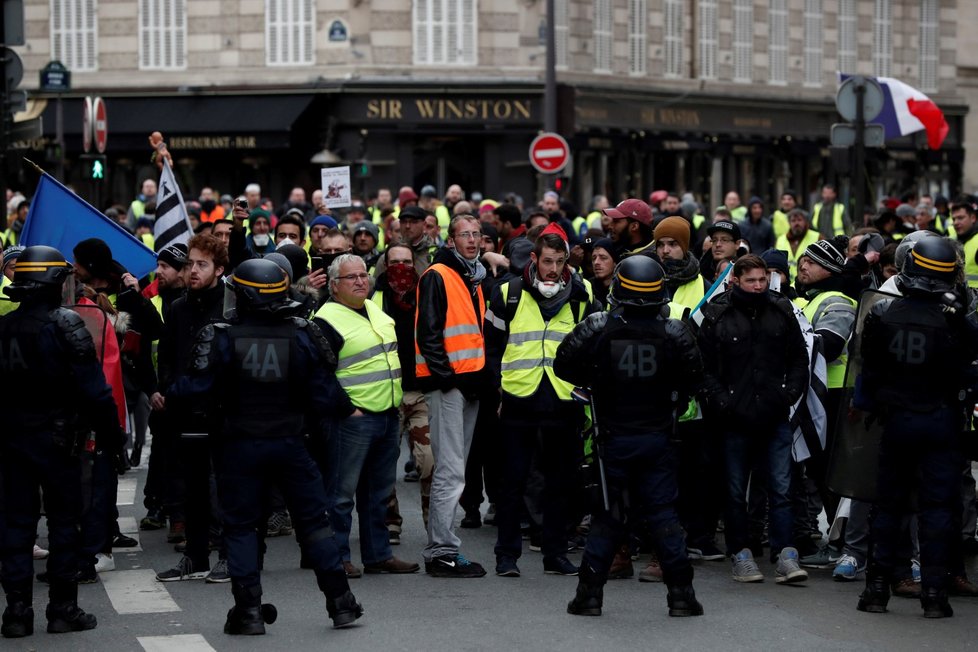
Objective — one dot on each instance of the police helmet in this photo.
(39, 269)
(256, 285)
(930, 267)
(638, 281)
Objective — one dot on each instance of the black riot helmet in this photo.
(931, 267)
(638, 281)
(256, 285)
(39, 271)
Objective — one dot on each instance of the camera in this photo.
(241, 202)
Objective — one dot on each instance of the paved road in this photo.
(422, 613)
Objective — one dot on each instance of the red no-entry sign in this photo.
(549, 153)
(100, 124)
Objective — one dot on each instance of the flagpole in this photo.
(33, 165)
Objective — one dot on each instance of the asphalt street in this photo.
(417, 612)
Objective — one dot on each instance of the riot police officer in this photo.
(640, 366)
(267, 369)
(48, 371)
(916, 351)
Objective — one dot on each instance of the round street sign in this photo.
(101, 125)
(549, 153)
(873, 98)
(87, 125)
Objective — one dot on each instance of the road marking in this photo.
(126, 494)
(181, 642)
(137, 592)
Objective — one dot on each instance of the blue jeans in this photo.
(245, 469)
(360, 469)
(771, 453)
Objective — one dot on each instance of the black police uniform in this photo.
(916, 353)
(640, 366)
(268, 370)
(48, 371)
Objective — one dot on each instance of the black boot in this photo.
(590, 593)
(136, 455)
(935, 604)
(248, 616)
(18, 617)
(343, 610)
(63, 613)
(877, 593)
(682, 601)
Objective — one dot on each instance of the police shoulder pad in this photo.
(76, 335)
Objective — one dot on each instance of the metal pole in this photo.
(59, 137)
(858, 178)
(5, 123)
(550, 79)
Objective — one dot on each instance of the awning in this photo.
(189, 122)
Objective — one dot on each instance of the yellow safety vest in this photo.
(690, 294)
(444, 217)
(532, 347)
(838, 210)
(698, 221)
(6, 304)
(368, 368)
(835, 369)
(779, 219)
(811, 237)
(970, 266)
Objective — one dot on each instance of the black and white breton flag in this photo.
(172, 224)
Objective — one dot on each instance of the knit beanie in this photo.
(829, 254)
(676, 228)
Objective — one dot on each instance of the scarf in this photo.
(473, 268)
(681, 272)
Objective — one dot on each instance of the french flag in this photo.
(906, 110)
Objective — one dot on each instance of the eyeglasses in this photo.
(354, 277)
(726, 240)
(468, 235)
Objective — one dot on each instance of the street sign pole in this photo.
(859, 178)
(59, 137)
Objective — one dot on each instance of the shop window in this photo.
(561, 32)
(74, 34)
(709, 39)
(162, 34)
(929, 48)
(445, 32)
(743, 40)
(882, 38)
(813, 42)
(778, 42)
(673, 41)
(603, 25)
(848, 31)
(290, 27)
(638, 49)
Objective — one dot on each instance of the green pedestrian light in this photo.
(98, 169)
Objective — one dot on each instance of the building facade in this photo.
(702, 96)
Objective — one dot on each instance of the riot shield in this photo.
(854, 453)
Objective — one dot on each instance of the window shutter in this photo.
(708, 39)
(637, 37)
(602, 35)
(74, 34)
(882, 38)
(778, 42)
(813, 42)
(561, 32)
(290, 32)
(743, 40)
(673, 42)
(848, 30)
(929, 50)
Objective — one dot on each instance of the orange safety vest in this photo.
(464, 343)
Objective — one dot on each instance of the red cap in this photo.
(405, 196)
(635, 209)
(556, 229)
(658, 197)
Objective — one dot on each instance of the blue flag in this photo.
(61, 219)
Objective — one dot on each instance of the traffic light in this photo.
(362, 170)
(93, 167)
(560, 184)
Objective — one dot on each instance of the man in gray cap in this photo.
(365, 240)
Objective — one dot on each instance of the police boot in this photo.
(590, 593)
(18, 617)
(249, 616)
(877, 593)
(341, 604)
(682, 601)
(63, 613)
(935, 604)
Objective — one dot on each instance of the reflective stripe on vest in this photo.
(463, 341)
(367, 368)
(970, 266)
(838, 226)
(835, 369)
(532, 346)
(811, 237)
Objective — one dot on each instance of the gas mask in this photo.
(548, 289)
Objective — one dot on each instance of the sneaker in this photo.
(707, 551)
(177, 533)
(122, 541)
(652, 571)
(219, 574)
(453, 566)
(490, 517)
(788, 571)
(40, 553)
(472, 519)
(393, 538)
(745, 568)
(412, 476)
(87, 575)
(506, 567)
(559, 566)
(847, 569)
(915, 570)
(826, 557)
(279, 525)
(104, 563)
(184, 570)
(536, 540)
